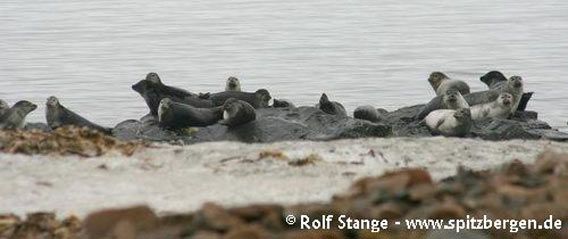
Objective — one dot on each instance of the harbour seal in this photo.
(446, 122)
(153, 91)
(500, 108)
(233, 84)
(513, 86)
(451, 99)
(282, 103)
(237, 112)
(440, 82)
(367, 112)
(175, 115)
(15, 117)
(58, 115)
(4, 107)
(331, 107)
(493, 79)
(258, 99)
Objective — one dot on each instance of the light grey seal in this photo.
(153, 91)
(367, 112)
(440, 82)
(446, 122)
(4, 107)
(58, 115)
(175, 115)
(282, 103)
(15, 117)
(259, 99)
(331, 107)
(233, 84)
(451, 99)
(237, 112)
(500, 108)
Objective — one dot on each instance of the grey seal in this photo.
(58, 115)
(282, 103)
(447, 122)
(237, 112)
(440, 82)
(258, 99)
(331, 107)
(451, 99)
(4, 107)
(500, 108)
(233, 84)
(153, 91)
(493, 79)
(15, 117)
(513, 86)
(368, 112)
(175, 115)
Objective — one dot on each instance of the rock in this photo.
(120, 223)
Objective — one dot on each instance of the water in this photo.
(379, 52)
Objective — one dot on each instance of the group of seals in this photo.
(15, 116)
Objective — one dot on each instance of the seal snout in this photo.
(517, 81)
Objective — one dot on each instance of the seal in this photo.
(500, 108)
(4, 107)
(440, 82)
(282, 103)
(258, 99)
(493, 79)
(237, 112)
(331, 107)
(175, 115)
(367, 112)
(58, 115)
(233, 84)
(153, 91)
(456, 123)
(451, 99)
(15, 117)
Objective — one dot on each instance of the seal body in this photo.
(58, 115)
(258, 99)
(153, 91)
(4, 107)
(331, 107)
(15, 117)
(500, 108)
(283, 103)
(446, 122)
(513, 86)
(237, 112)
(451, 99)
(440, 82)
(233, 84)
(367, 112)
(175, 115)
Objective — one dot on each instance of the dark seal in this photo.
(175, 115)
(58, 115)
(258, 99)
(331, 107)
(368, 112)
(153, 91)
(4, 107)
(283, 103)
(237, 112)
(15, 117)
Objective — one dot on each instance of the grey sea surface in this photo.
(378, 52)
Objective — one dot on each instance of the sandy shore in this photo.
(181, 178)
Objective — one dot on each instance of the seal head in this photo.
(237, 112)
(4, 106)
(493, 78)
(331, 107)
(436, 79)
(233, 84)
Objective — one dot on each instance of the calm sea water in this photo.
(379, 52)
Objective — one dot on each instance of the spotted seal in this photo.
(15, 117)
(500, 108)
(259, 99)
(233, 84)
(367, 112)
(175, 115)
(58, 115)
(237, 112)
(153, 91)
(451, 99)
(440, 82)
(331, 107)
(447, 122)
(4, 107)
(282, 103)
